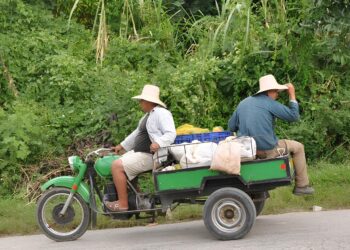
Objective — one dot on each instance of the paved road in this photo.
(307, 230)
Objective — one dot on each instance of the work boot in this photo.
(307, 190)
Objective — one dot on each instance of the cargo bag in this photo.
(227, 157)
(248, 147)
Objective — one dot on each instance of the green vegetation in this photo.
(332, 184)
(17, 217)
(67, 78)
(66, 86)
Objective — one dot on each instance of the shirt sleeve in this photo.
(167, 128)
(129, 142)
(233, 123)
(289, 114)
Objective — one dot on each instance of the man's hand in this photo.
(154, 147)
(291, 91)
(119, 150)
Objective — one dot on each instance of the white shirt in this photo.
(160, 127)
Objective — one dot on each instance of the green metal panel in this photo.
(68, 181)
(192, 179)
(183, 179)
(266, 170)
(103, 165)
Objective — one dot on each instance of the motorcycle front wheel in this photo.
(70, 226)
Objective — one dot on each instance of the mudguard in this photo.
(68, 181)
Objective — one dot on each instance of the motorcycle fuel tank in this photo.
(103, 165)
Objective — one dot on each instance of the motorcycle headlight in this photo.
(72, 162)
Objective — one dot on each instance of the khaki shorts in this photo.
(135, 163)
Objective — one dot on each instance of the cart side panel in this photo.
(251, 172)
(176, 180)
(267, 170)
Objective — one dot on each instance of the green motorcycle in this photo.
(70, 204)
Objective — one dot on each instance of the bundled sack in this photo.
(198, 154)
(248, 146)
(178, 151)
(227, 157)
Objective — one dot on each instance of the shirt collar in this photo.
(156, 107)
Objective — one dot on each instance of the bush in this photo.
(204, 64)
(23, 140)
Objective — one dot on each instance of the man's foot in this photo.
(114, 206)
(307, 190)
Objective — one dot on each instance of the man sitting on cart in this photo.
(156, 129)
(255, 116)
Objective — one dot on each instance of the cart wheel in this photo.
(259, 205)
(229, 214)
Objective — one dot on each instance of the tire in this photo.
(259, 206)
(229, 214)
(48, 218)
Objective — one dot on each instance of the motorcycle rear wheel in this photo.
(72, 225)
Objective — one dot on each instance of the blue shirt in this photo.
(255, 116)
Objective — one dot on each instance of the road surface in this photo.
(306, 230)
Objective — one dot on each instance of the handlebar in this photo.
(97, 152)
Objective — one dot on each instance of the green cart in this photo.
(70, 204)
(231, 202)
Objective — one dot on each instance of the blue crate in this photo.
(204, 137)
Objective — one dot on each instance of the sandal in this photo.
(114, 206)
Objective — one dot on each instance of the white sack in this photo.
(227, 157)
(248, 146)
(178, 151)
(198, 155)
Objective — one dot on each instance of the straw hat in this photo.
(269, 82)
(150, 93)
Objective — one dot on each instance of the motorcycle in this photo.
(69, 204)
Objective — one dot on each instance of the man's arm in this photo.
(167, 127)
(291, 113)
(129, 142)
(291, 92)
(118, 149)
(233, 123)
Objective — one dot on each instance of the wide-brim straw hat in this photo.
(150, 93)
(269, 82)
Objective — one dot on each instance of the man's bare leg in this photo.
(119, 179)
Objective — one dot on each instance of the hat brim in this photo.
(150, 99)
(279, 87)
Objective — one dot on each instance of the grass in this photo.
(331, 182)
(332, 186)
(16, 217)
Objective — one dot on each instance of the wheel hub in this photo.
(62, 219)
(229, 214)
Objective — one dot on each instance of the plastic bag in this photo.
(178, 151)
(198, 155)
(248, 146)
(227, 157)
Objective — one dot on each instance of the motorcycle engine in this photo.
(110, 194)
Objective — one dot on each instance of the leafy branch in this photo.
(8, 77)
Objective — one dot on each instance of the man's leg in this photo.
(119, 179)
(128, 166)
(298, 153)
(297, 150)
